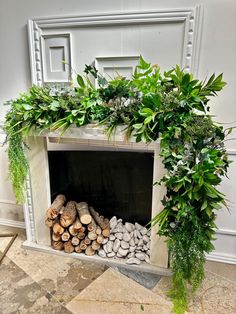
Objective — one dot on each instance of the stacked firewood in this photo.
(76, 227)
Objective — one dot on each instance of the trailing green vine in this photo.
(173, 107)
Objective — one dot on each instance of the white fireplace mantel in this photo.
(38, 197)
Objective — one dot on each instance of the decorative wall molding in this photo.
(229, 232)
(56, 48)
(191, 18)
(123, 65)
(12, 223)
(223, 258)
(28, 212)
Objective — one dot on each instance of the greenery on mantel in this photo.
(173, 105)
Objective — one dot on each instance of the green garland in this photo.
(173, 105)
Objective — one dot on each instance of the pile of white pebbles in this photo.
(127, 241)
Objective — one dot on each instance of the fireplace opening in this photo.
(114, 183)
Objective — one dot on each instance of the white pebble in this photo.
(112, 237)
(133, 260)
(123, 252)
(116, 245)
(109, 246)
(129, 227)
(140, 256)
(101, 253)
(113, 222)
(131, 242)
(147, 259)
(124, 245)
(146, 239)
(138, 226)
(132, 254)
(126, 237)
(105, 240)
(132, 249)
(140, 242)
(144, 231)
(119, 235)
(105, 248)
(112, 254)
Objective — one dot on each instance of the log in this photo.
(57, 245)
(68, 215)
(49, 222)
(100, 239)
(89, 251)
(98, 231)
(92, 226)
(57, 229)
(87, 240)
(75, 241)
(92, 235)
(83, 246)
(54, 210)
(73, 231)
(81, 235)
(78, 249)
(65, 236)
(106, 232)
(95, 246)
(82, 229)
(68, 247)
(56, 237)
(77, 224)
(84, 213)
(102, 223)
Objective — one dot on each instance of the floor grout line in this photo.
(225, 278)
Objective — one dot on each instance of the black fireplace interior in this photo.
(114, 183)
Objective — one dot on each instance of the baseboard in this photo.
(222, 258)
(12, 223)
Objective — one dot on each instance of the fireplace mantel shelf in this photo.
(94, 135)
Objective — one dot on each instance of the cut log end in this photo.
(84, 213)
(89, 251)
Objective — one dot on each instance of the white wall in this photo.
(218, 46)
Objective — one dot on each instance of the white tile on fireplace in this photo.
(113, 292)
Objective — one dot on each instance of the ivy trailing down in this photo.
(173, 107)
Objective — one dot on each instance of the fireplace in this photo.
(114, 182)
(115, 176)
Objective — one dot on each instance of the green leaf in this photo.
(27, 106)
(137, 125)
(143, 64)
(80, 81)
(204, 205)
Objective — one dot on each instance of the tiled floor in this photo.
(33, 282)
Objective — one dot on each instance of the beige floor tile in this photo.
(217, 295)
(225, 270)
(98, 307)
(119, 293)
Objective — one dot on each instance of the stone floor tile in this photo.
(68, 285)
(116, 291)
(20, 294)
(148, 280)
(61, 276)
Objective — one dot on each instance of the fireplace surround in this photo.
(38, 194)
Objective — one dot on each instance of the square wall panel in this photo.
(56, 59)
